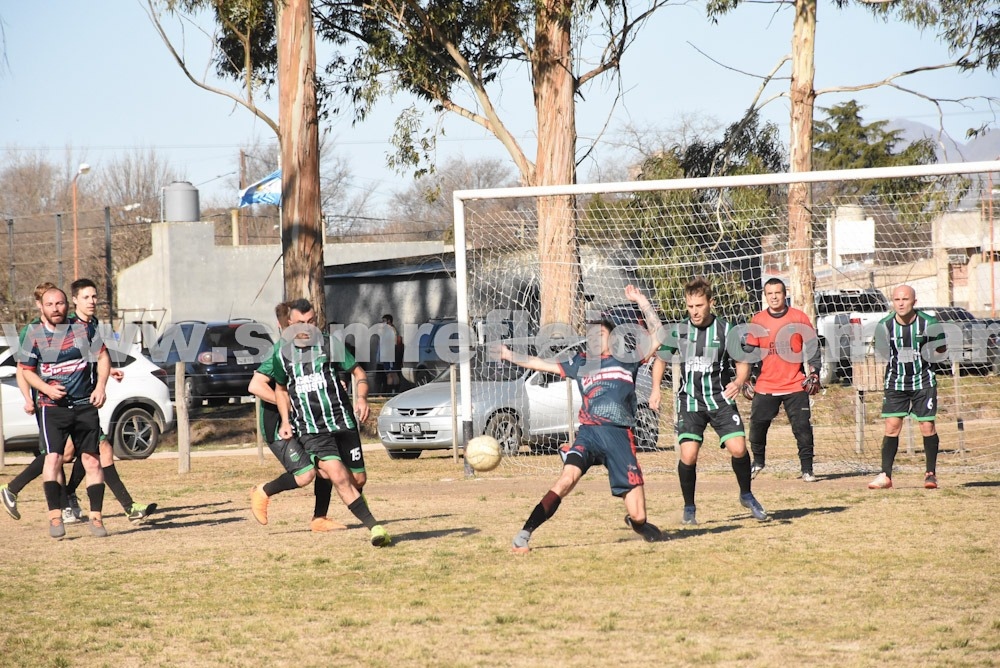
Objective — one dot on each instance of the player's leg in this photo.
(728, 424)
(763, 410)
(895, 406)
(86, 437)
(576, 460)
(349, 494)
(299, 471)
(925, 413)
(690, 428)
(9, 492)
(799, 414)
(626, 479)
(54, 427)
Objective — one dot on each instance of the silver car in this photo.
(514, 405)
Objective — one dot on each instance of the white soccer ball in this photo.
(483, 453)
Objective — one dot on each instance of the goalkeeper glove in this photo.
(811, 384)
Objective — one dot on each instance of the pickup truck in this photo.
(845, 318)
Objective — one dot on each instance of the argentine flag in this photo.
(265, 191)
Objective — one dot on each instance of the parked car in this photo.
(137, 411)
(512, 404)
(843, 315)
(980, 351)
(220, 357)
(429, 364)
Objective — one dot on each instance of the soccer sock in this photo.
(688, 475)
(96, 495)
(283, 483)
(741, 467)
(323, 489)
(360, 510)
(545, 509)
(117, 487)
(63, 497)
(52, 493)
(931, 444)
(76, 476)
(30, 472)
(890, 446)
(758, 440)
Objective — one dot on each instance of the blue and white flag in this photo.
(265, 191)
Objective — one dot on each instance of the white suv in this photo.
(137, 411)
(843, 318)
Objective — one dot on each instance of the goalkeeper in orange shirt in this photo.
(779, 333)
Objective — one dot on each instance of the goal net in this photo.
(521, 250)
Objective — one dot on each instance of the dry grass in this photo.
(841, 576)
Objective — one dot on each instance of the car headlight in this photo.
(386, 410)
(442, 410)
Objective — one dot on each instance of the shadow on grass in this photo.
(981, 483)
(796, 513)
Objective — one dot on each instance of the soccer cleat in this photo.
(74, 505)
(881, 481)
(930, 480)
(380, 537)
(319, 524)
(756, 468)
(97, 527)
(748, 501)
(138, 513)
(689, 516)
(56, 528)
(258, 504)
(648, 531)
(9, 499)
(68, 517)
(807, 476)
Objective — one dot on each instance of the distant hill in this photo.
(983, 147)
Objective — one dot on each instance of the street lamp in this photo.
(84, 168)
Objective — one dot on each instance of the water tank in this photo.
(180, 203)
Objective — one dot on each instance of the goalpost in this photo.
(931, 226)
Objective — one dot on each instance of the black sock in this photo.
(30, 472)
(76, 476)
(360, 510)
(283, 483)
(931, 444)
(688, 475)
(323, 489)
(545, 509)
(53, 492)
(741, 467)
(117, 487)
(96, 495)
(890, 446)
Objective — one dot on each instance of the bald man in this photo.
(905, 337)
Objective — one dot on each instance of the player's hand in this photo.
(811, 384)
(29, 407)
(497, 351)
(97, 398)
(654, 399)
(117, 374)
(731, 390)
(361, 409)
(285, 431)
(55, 392)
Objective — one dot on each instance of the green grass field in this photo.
(840, 576)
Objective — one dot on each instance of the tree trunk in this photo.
(555, 86)
(301, 223)
(803, 97)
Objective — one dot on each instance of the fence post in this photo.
(183, 425)
(258, 408)
(10, 255)
(958, 408)
(108, 277)
(59, 253)
(3, 442)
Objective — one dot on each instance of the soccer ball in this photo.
(483, 453)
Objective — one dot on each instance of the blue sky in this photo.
(85, 81)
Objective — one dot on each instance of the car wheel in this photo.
(189, 395)
(135, 434)
(647, 429)
(402, 454)
(507, 430)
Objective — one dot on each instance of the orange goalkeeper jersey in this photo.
(781, 368)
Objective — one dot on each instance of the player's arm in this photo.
(22, 385)
(260, 387)
(653, 324)
(99, 396)
(527, 361)
(283, 404)
(54, 392)
(735, 385)
(659, 367)
(361, 409)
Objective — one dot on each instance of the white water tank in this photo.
(180, 203)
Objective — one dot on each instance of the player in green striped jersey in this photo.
(910, 385)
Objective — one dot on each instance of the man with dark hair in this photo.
(300, 469)
(83, 292)
(607, 418)
(60, 364)
(781, 333)
(326, 424)
(903, 338)
(707, 395)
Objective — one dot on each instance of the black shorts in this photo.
(292, 456)
(921, 404)
(344, 446)
(58, 423)
(608, 445)
(725, 420)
